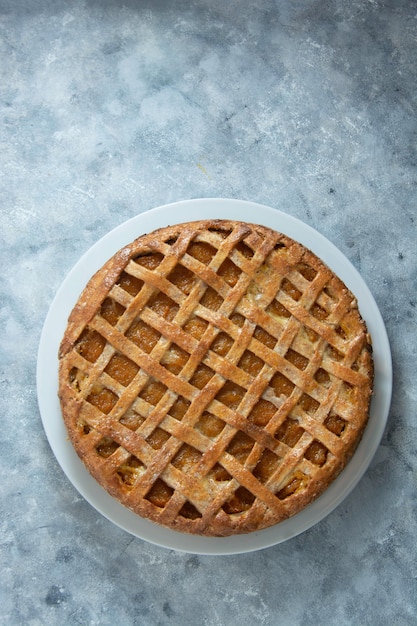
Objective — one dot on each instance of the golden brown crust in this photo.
(215, 377)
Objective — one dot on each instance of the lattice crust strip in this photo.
(215, 377)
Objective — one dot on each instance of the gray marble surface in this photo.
(111, 108)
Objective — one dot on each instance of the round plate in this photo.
(47, 375)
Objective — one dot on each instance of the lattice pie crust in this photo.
(215, 377)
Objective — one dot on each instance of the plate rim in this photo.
(47, 376)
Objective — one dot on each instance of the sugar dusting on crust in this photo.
(121, 260)
(125, 252)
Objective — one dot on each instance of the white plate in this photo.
(47, 375)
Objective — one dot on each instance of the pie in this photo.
(215, 377)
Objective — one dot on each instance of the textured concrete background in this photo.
(112, 108)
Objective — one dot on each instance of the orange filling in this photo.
(316, 453)
(103, 399)
(266, 466)
(130, 283)
(296, 483)
(186, 458)
(121, 369)
(160, 493)
(222, 344)
(318, 312)
(335, 424)
(111, 311)
(290, 289)
(276, 309)
(175, 359)
(322, 377)
(106, 447)
(129, 471)
(210, 425)
(143, 336)
(201, 251)
(201, 376)
(229, 272)
(307, 271)
(90, 345)
(189, 511)
(281, 385)
(179, 408)
(308, 404)
(241, 501)
(296, 359)
(153, 391)
(262, 413)
(211, 299)
(240, 446)
(230, 394)
(289, 432)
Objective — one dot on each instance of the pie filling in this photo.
(222, 380)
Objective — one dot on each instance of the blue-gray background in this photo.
(110, 108)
